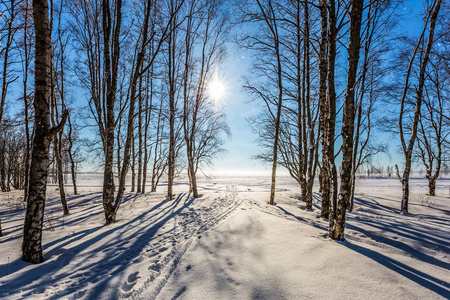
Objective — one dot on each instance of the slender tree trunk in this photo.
(310, 162)
(324, 177)
(348, 119)
(6, 62)
(133, 162)
(148, 110)
(331, 116)
(189, 127)
(34, 216)
(72, 162)
(59, 164)
(277, 129)
(59, 137)
(140, 144)
(408, 150)
(25, 100)
(301, 95)
(111, 63)
(172, 111)
(171, 171)
(271, 22)
(157, 149)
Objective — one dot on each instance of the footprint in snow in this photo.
(131, 281)
(79, 294)
(133, 277)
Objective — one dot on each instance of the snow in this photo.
(230, 244)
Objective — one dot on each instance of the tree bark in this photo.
(72, 162)
(356, 11)
(34, 216)
(111, 63)
(140, 144)
(25, 100)
(330, 120)
(133, 162)
(172, 107)
(324, 177)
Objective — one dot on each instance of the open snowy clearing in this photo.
(230, 244)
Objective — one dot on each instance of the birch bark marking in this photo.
(348, 119)
(34, 217)
(323, 177)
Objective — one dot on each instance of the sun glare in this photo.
(216, 89)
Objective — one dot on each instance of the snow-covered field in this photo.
(229, 244)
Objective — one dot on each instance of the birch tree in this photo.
(433, 132)
(408, 146)
(43, 134)
(337, 226)
(202, 124)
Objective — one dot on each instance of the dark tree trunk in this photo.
(34, 217)
(148, 110)
(330, 121)
(348, 119)
(172, 108)
(271, 22)
(133, 162)
(111, 63)
(140, 144)
(25, 100)
(324, 177)
(432, 187)
(59, 164)
(72, 162)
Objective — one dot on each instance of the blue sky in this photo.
(242, 146)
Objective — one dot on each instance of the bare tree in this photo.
(299, 134)
(201, 123)
(8, 15)
(433, 132)
(323, 74)
(31, 247)
(378, 25)
(172, 73)
(26, 57)
(408, 147)
(9, 25)
(337, 226)
(269, 65)
(58, 89)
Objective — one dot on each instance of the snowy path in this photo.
(256, 255)
(88, 260)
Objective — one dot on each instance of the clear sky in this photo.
(242, 145)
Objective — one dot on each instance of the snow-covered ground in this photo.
(229, 244)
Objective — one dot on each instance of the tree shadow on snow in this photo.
(430, 282)
(386, 228)
(120, 244)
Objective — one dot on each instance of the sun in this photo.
(216, 89)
